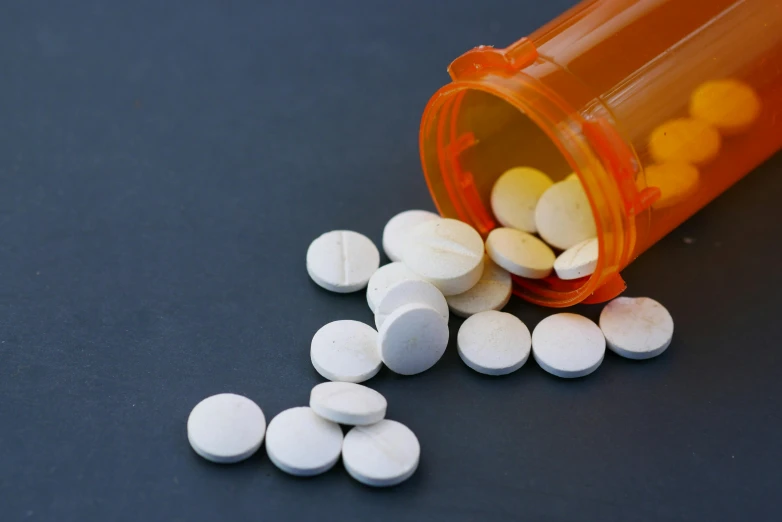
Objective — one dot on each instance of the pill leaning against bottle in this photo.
(226, 428)
(563, 215)
(413, 338)
(348, 403)
(345, 351)
(300, 442)
(568, 345)
(494, 343)
(342, 261)
(396, 233)
(447, 253)
(383, 454)
(515, 195)
(384, 278)
(636, 327)
(410, 292)
(491, 292)
(520, 253)
(580, 260)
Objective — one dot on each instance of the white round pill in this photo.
(564, 216)
(410, 292)
(520, 253)
(342, 261)
(384, 278)
(447, 253)
(383, 454)
(348, 403)
(226, 428)
(346, 351)
(636, 327)
(491, 292)
(396, 233)
(301, 442)
(580, 260)
(568, 345)
(515, 195)
(494, 343)
(412, 339)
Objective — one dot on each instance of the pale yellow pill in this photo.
(684, 139)
(564, 216)
(515, 196)
(729, 105)
(677, 182)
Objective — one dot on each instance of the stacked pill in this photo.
(441, 267)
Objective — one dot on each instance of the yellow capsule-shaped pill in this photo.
(677, 182)
(684, 140)
(729, 105)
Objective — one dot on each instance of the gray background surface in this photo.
(163, 167)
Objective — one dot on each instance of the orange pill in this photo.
(684, 140)
(677, 182)
(729, 105)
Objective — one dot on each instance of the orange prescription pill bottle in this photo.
(686, 91)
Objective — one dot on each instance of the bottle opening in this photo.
(477, 136)
(470, 136)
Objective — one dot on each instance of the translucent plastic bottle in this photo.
(586, 93)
